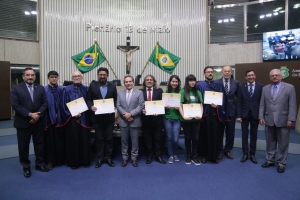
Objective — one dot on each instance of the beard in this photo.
(102, 81)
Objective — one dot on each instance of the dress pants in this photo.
(133, 133)
(191, 132)
(253, 133)
(24, 136)
(104, 139)
(229, 135)
(277, 136)
(153, 138)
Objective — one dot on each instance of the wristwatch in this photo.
(29, 114)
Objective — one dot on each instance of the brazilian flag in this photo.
(163, 59)
(88, 59)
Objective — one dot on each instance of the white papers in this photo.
(171, 99)
(192, 110)
(77, 106)
(154, 107)
(213, 97)
(104, 106)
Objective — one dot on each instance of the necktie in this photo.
(149, 95)
(31, 92)
(128, 98)
(251, 91)
(226, 86)
(274, 93)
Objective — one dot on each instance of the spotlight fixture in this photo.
(33, 12)
(282, 11)
(262, 16)
(27, 13)
(269, 15)
(232, 19)
(220, 21)
(275, 13)
(226, 20)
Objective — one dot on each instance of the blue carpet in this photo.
(8, 140)
(6, 123)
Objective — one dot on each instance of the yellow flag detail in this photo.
(88, 59)
(165, 60)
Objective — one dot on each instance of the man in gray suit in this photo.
(277, 111)
(130, 103)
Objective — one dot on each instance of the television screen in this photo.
(281, 45)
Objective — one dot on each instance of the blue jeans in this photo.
(172, 128)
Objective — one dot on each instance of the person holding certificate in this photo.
(171, 120)
(191, 125)
(152, 124)
(214, 117)
(103, 123)
(130, 103)
(76, 128)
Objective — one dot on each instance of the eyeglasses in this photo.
(275, 75)
(79, 76)
(209, 72)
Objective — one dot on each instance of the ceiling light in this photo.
(247, 27)
(269, 15)
(262, 16)
(232, 20)
(279, 8)
(218, 70)
(256, 25)
(27, 13)
(220, 21)
(282, 11)
(275, 13)
(33, 12)
(226, 20)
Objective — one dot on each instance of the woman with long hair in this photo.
(172, 121)
(191, 126)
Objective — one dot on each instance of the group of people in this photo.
(60, 138)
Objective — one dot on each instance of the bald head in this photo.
(77, 77)
(227, 72)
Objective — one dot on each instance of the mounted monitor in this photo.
(281, 45)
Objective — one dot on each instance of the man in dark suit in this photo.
(247, 113)
(30, 104)
(231, 88)
(152, 124)
(130, 104)
(278, 109)
(103, 123)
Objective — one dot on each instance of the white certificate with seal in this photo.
(104, 106)
(155, 107)
(171, 99)
(213, 97)
(77, 106)
(192, 110)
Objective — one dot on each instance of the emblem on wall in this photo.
(284, 72)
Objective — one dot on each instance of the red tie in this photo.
(149, 95)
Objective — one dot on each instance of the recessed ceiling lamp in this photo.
(226, 20)
(220, 21)
(275, 13)
(282, 11)
(262, 16)
(256, 25)
(269, 15)
(218, 70)
(33, 12)
(27, 13)
(232, 20)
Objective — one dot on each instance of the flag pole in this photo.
(106, 60)
(145, 67)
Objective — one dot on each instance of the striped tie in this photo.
(251, 91)
(31, 91)
(226, 86)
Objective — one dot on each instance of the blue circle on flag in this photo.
(88, 59)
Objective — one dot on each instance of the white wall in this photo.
(19, 52)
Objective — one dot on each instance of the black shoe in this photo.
(42, 168)
(220, 156)
(110, 163)
(50, 166)
(244, 158)
(160, 160)
(149, 160)
(124, 163)
(267, 164)
(228, 155)
(253, 159)
(73, 167)
(280, 169)
(135, 163)
(188, 159)
(27, 172)
(99, 163)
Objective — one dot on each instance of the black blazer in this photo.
(231, 96)
(154, 120)
(245, 104)
(23, 105)
(95, 94)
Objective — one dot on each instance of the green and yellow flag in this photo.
(163, 59)
(88, 59)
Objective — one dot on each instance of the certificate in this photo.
(77, 106)
(171, 99)
(154, 107)
(213, 97)
(192, 110)
(104, 106)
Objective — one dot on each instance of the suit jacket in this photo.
(135, 107)
(157, 95)
(95, 94)
(277, 112)
(23, 105)
(231, 96)
(245, 103)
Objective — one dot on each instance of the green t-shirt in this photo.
(192, 100)
(172, 113)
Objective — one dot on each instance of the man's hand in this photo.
(239, 119)
(130, 119)
(262, 122)
(127, 115)
(289, 123)
(144, 111)
(32, 121)
(214, 105)
(35, 116)
(94, 108)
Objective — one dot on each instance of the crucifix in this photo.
(128, 50)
